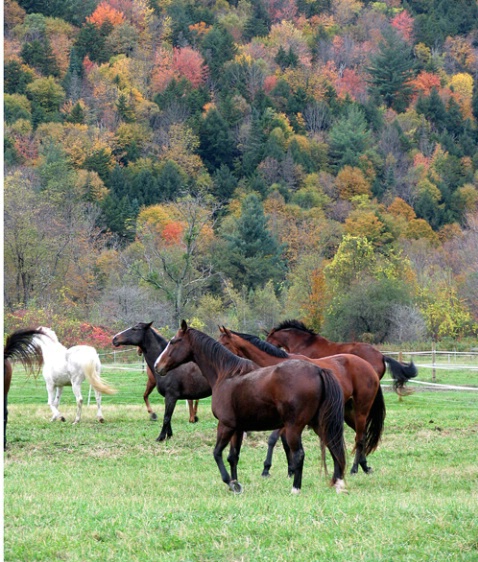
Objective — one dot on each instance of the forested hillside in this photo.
(242, 162)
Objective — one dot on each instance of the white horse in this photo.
(69, 367)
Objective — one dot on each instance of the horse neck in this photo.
(258, 356)
(51, 350)
(152, 346)
(219, 364)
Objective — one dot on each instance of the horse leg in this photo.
(193, 410)
(99, 413)
(166, 430)
(271, 443)
(54, 395)
(297, 455)
(233, 459)
(357, 420)
(150, 385)
(224, 435)
(79, 401)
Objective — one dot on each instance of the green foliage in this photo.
(38, 54)
(349, 138)
(16, 77)
(46, 97)
(16, 107)
(365, 311)
(217, 146)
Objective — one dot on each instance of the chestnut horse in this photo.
(19, 345)
(185, 383)
(245, 398)
(294, 337)
(363, 398)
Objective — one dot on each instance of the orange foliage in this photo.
(105, 13)
(200, 29)
(172, 233)
(425, 82)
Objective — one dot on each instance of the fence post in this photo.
(434, 373)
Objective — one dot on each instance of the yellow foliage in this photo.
(419, 228)
(399, 208)
(351, 181)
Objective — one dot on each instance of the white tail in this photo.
(93, 377)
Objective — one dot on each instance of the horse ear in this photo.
(149, 324)
(184, 325)
(226, 331)
(221, 328)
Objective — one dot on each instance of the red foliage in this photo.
(425, 82)
(403, 23)
(350, 83)
(189, 64)
(270, 83)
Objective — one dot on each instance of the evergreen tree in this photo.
(217, 48)
(225, 183)
(16, 78)
(216, 143)
(349, 138)
(259, 24)
(391, 70)
(39, 54)
(252, 256)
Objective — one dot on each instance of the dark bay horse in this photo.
(363, 398)
(294, 337)
(186, 383)
(19, 345)
(246, 397)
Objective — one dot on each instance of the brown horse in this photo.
(245, 398)
(363, 398)
(294, 337)
(22, 346)
(187, 383)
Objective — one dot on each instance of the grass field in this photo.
(100, 492)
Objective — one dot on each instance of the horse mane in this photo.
(158, 336)
(263, 345)
(294, 324)
(219, 355)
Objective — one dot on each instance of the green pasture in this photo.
(100, 492)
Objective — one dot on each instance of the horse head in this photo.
(49, 333)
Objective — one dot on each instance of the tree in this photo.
(177, 266)
(216, 142)
(391, 70)
(349, 138)
(251, 256)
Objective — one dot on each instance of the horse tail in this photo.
(375, 423)
(401, 372)
(331, 419)
(21, 345)
(92, 373)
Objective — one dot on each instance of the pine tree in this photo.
(391, 71)
(252, 256)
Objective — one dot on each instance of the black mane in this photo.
(225, 359)
(294, 324)
(263, 345)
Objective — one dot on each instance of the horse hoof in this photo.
(340, 487)
(161, 438)
(265, 474)
(153, 417)
(62, 419)
(101, 420)
(354, 471)
(368, 470)
(235, 487)
(295, 491)
(196, 419)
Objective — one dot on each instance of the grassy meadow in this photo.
(100, 492)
